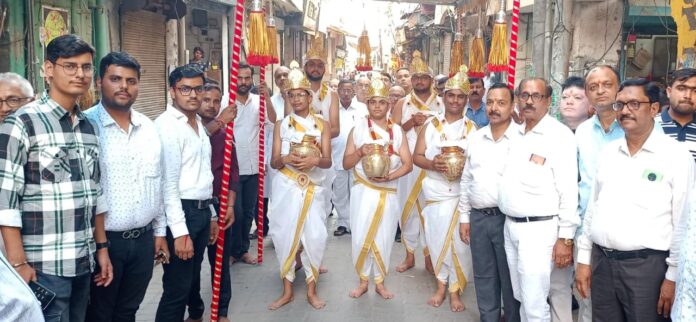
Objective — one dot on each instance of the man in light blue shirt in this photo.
(475, 109)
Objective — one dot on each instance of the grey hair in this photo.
(18, 80)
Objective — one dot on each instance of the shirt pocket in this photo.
(151, 176)
(54, 164)
(92, 163)
(533, 178)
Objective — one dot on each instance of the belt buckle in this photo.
(302, 180)
(131, 234)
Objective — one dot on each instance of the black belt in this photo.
(630, 254)
(490, 211)
(198, 204)
(530, 219)
(130, 234)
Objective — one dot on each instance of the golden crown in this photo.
(418, 65)
(459, 81)
(378, 89)
(316, 49)
(297, 80)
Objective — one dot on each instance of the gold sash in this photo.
(317, 120)
(411, 201)
(423, 107)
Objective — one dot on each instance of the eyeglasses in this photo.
(536, 97)
(300, 95)
(633, 105)
(186, 90)
(71, 69)
(14, 102)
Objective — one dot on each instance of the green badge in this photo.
(652, 175)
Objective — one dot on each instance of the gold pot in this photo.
(307, 148)
(455, 158)
(376, 164)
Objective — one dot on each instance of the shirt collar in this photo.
(481, 108)
(652, 144)
(107, 120)
(509, 132)
(598, 125)
(666, 118)
(539, 128)
(248, 101)
(178, 114)
(58, 110)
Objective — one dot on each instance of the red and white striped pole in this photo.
(514, 28)
(227, 163)
(262, 165)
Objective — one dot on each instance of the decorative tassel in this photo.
(364, 53)
(498, 57)
(273, 43)
(259, 53)
(457, 54)
(476, 56)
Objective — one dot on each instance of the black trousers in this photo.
(179, 274)
(196, 307)
(626, 289)
(132, 261)
(244, 213)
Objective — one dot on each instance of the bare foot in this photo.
(456, 304)
(383, 292)
(359, 291)
(247, 258)
(315, 301)
(282, 300)
(407, 264)
(323, 270)
(439, 296)
(429, 265)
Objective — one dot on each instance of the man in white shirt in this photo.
(633, 226)
(188, 189)
(362, 84)
(132, 183)
(539, 195)
(481, 221)
(246, 132)
(349, 113)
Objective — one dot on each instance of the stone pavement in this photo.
(254, 287)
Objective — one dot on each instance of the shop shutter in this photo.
(143, 36)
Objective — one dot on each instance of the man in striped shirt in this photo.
(678, 120)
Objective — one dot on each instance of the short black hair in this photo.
(186, 71)
(402, 68)
(67, 46)
(345, 81)
(549, 89)
(384, 73)
(195, 49)
(573, 81)
(609, 67)
(502, 86)
(476, 79)
(681, 75)
(246, 66)
(118, 58)
(650, 89)
(211, 84)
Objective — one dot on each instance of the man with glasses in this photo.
(50, 217)
(539, 195)
(629, 247)
(349, 114)
(187, 187)
(362, 84)
(678, 120)
(15, 91)
(396, 93)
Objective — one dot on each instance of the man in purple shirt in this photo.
(215, 127)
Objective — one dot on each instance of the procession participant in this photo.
(350, 113)
(324, 100)
(188, 189)
(636, 215)
(130, 169)
(412, 112)
(15, 92)
(51, 219)
(396, 93)
(298, 209)
(678, 120)
(447, 132)
(361, 87)
(403, 79)
(539, 196)
(481, 220)
(374, 207)
(476, 106)
(575, 105)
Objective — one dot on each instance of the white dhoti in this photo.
(450, 256)
(412, 202)
(296, 218)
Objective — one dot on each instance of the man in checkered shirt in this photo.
(49, 184)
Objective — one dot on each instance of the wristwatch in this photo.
(103, 245)
(567, 241)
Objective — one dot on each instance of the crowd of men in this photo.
(595, 206)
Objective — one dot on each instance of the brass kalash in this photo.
(307, 148)
(378, 163)
(454, 158)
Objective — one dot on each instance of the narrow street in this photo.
(254, 287)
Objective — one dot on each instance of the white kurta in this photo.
(374, 208)
(297, 214)
(450, 256)
(409, 194)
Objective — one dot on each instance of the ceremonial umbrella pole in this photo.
(259, 55)
(514, 28)
(498, 57)
(227, 162)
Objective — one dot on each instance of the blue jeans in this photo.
(72, 295)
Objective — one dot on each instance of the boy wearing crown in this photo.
(302, 155)
(440, 152)
(379, 155)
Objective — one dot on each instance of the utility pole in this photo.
(538, 39)
(562, 38)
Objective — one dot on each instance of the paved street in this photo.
(254, 287)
